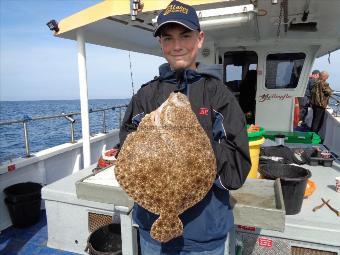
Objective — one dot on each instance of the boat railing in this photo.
(69, 116)
(336, 103)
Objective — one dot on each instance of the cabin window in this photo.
(236, 66)
(283, 70)
(240, 76)
(253, 67)
(233, 73)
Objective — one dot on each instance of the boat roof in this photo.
(109, 24)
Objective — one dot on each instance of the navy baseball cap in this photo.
(177, 12)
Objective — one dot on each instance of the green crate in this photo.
(295, 137)
(253, 136)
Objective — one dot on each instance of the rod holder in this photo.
(26, 119)
(27, 145)
(72, 121)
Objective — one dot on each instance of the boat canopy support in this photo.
(84, 106)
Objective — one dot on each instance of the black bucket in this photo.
(105, 240)
(23, 192)
(293, 183)
(23, 201)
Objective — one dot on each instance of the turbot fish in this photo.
(167, 165)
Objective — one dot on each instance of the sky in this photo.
(35, 65)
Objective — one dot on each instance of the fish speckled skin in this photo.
(167, 165)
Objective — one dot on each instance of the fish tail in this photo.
(166, 228)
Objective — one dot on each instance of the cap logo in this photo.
(175, 8)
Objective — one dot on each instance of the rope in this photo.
(285, 14)
(280, 20)
(133, 89)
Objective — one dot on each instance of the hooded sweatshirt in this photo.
(207, 223)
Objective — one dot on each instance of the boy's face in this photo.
(180, 46)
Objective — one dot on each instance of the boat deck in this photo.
(28, 241)
(319, 228)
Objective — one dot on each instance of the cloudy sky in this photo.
(34, 65)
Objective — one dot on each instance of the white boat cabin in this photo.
(265, 49)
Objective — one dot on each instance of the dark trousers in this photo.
(303, 104)
(318, 116)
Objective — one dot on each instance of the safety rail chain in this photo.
(68, 116)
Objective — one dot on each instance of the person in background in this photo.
(206, 224)
(304, 102)
(247, 96)
(320, 95)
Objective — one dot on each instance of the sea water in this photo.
(44, 134)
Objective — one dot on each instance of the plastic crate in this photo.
(295, 137)
(254, 136)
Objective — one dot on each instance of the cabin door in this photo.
(240, 76)
(282, 77)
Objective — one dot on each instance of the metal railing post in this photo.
(72, 132)
(27, 145)
(104, 122)
(336, 104)
(72, 121)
